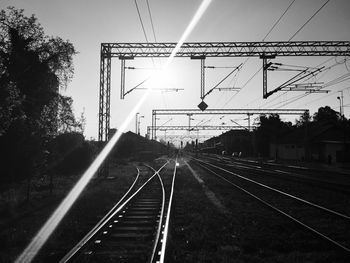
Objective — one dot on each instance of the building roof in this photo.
(315, 133)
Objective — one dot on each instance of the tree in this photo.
(70, 153)
(33, 67)
(326, 114)
(304, 119)
(270, 129)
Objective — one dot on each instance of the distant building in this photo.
(233, 141)
(237, 142)
(212, 145)
(324, 143)
(131, 145)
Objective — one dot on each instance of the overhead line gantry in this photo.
(195, 128)
(263, 50)
(191, 112)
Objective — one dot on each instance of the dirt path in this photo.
(210, 194)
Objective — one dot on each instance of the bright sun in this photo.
(159, 80)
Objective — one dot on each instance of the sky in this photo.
(88, 23)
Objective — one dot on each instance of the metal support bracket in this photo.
(154, 124)
(265, 67)
(122, 75)
(202, 78)
(202, 58)
(122, 79)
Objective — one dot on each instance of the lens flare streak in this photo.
(44, 233)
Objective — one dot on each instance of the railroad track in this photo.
(326, 224)
(135, 229)
(278, 171)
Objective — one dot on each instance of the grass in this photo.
(248, 233)
(26, 218)
(199, 232)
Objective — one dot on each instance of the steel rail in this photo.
(335, 213)
(166, 227)
(344, 187)
(95, 229)
(104, 221)
(337, 244)
(322, 183)
(160, 223)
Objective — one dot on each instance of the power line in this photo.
(346, 67)
(268, 33)
(143, 28)
(150, 16)
(333, 82)
(288, 40)
(281, 94)
(338, 80)
(292, 100)
(326, 85)
(279, 19)
(328, 95)
(155, 40)
(236, 68)
(144, 32)
(308, 20)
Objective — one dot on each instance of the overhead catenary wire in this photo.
(301, 28)
(229, 74)
(230, 85)
(146, 38)
(139, 14)
(338, 80)
(289, 101)
(151, 19)
(293, 80)
(319, 65)
(288, 40)
(155, 40)
(346, 66)
(278, 20)
(293, 99)
(144, 33)
(318, 10)
(267, 34)
(328, 95)
(300, 96)
(333, 82)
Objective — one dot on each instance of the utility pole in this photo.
(341, 102)
(138, 130)
(189, 122)
(136, 122)
(248, 117)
